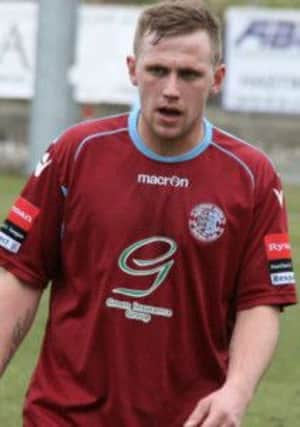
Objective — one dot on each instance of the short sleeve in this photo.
(31, 233)
(266, 275)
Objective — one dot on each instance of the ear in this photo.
(219, 74)
(131, 66)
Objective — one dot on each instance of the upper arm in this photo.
(259, 315)
(18, 305)
(16, 299)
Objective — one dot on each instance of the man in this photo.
(166, 242)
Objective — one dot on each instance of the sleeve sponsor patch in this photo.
(278, 250)
(19, 221)
(13, 231)
(8, 243)
(23, 214)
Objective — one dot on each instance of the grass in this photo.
(277, 401)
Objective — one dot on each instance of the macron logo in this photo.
(163, 181)
(42, 164)
(279, 195)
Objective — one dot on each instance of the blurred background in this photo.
(62, 61)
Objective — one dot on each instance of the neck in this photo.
(172, 146)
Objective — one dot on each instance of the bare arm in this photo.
(252, 347)
(18, 305)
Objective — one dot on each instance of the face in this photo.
(174, 77)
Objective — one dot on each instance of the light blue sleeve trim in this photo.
(64, 190)
(140, 145)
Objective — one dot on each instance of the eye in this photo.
(189, 74)
(157, 70)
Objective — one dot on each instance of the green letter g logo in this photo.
(154, 265)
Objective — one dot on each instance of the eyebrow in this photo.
(180, 68)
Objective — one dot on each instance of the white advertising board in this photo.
(105, 35)
(18, 28)
(263, 60)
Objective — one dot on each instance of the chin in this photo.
(168, 134)
(167, 137)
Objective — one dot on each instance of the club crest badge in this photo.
(207, 222)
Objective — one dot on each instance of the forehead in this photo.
(192, 48)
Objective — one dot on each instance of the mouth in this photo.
(169, 116)
(169, 112)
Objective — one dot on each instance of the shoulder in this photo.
(251, 160)
(71, 140)
(64, 150)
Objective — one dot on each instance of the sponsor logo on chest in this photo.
(155, 269)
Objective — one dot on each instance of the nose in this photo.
(170, 89)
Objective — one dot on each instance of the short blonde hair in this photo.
(179, 17)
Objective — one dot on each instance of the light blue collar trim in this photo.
(138, 142)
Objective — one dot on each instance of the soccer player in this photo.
(165, 241)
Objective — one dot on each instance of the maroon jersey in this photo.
(150, 258)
